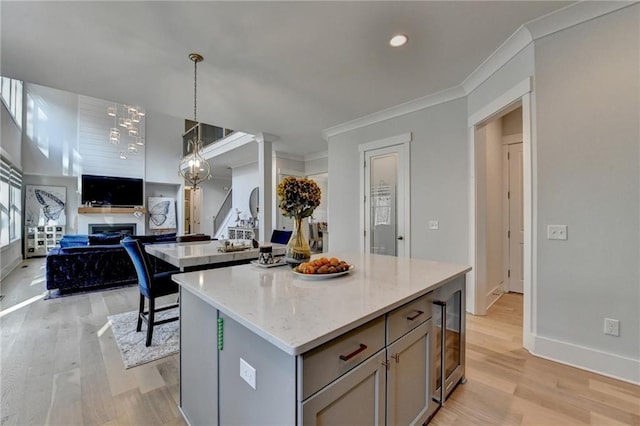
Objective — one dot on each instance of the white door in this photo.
(195, 205)
(516, 219)
(386, 192)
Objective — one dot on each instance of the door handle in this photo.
(400, 237)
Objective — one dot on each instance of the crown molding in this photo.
(316, 156)
(503, 54)
(266, 137)
(288, 156)
(573, 15)
(553, 22)
(396, 111)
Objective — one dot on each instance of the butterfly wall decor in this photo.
(162, 214)
(45, 205)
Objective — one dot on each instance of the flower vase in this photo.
(298, 249)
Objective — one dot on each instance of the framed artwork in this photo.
(162, 213)
(44, 205)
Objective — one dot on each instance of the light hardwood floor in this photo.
(60, 365)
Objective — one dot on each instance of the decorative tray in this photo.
(229, 249)
(277, 262)
(315, 277)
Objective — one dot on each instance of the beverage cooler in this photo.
(449, 338)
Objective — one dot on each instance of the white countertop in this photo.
(185, 255)
(296, 314)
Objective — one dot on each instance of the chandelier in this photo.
(128, 125)
(193, 167)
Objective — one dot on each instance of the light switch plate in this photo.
(556, 232)
(434, 225)
(248, 373)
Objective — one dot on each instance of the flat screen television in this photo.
(112, 191)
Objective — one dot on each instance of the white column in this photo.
(267, 190)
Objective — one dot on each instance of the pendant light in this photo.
(193, 167)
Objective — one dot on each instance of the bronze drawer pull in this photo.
(411, 318)
(354, 353)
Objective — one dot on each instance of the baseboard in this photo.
(606, 364)
(7, 269)
(494, 294)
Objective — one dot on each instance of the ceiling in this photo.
(290, 69)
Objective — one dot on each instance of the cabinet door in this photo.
(409, 378)
(198, 360)
(357, 398)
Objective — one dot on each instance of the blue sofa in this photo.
(84, 262)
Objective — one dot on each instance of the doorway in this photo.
(385, 183)
(499, 226)
(481, 291)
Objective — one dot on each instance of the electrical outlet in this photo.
(434, 225)
(556, 232)
(248, 373)
(612, 327)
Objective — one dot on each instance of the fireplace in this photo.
(122, 229)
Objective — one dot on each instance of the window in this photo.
(10, 202)
(11, 91)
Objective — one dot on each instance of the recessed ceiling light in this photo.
(398, 40)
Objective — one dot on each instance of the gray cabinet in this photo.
(198, 360)
(272, 399)
(380, 373)
(410, 378)
(357, 398)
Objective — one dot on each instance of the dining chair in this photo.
(280, 236)
(151, 287)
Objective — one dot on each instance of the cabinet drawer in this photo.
(407, 317)
(322, 365)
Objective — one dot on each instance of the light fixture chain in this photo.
(195, 90)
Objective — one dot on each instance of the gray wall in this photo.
(588, 86)
(438, 181)
(586, 174)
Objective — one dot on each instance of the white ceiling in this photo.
(290, 69)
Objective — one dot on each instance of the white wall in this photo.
(244, 178)
(438, 181)
(50, 144)
(214, 192)
(588, 136)
(11, 142)
(316, 166)
(163, 147)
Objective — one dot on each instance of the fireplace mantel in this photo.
(110, 216)
(110, 210)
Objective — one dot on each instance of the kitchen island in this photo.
(265, 346)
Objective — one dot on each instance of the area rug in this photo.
(165, 342)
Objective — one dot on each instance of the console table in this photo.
(240, 233)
